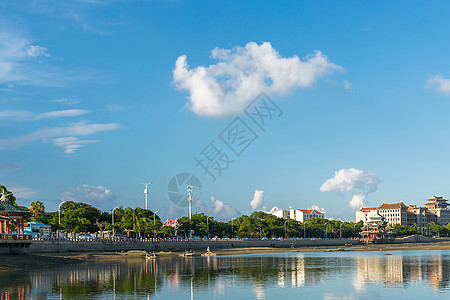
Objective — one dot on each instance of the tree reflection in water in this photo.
(136, 277)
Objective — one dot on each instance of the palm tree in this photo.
(37, 208)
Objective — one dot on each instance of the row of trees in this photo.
(263, 225)
(138, 222)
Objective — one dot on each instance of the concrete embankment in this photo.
(48, 246)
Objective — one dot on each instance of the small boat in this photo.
(150, 256)
(340, 249)
(208, 253)
(187, 254)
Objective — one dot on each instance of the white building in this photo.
(365, 213)
(281, 213)
(302, 215)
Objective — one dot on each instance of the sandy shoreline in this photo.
(26, 262)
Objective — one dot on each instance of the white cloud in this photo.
(62, 113)
(318, 208)
(98, 196)
(439, 83)
(35, 51)
(218, 209)
(347, 85)
(23, 115)
(258, 200)
(22, 193)
(227, 87)
(18, 64)
(357, 183)
(59, 136)
(65, 101)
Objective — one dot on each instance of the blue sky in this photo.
(93, 102)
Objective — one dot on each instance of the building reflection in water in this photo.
(401, 271)
(140, 278)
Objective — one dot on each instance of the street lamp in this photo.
(340, 231)
(154, 220)
(112, 217)
(207, 224)
(285, 235)
(59, 216)
(325, 231)
(232, 231)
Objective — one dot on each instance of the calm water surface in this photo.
(325, 275)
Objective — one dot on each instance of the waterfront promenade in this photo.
(49, 245)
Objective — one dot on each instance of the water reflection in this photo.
(255, 276)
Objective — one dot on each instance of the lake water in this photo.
(309, 275)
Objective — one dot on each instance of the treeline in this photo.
(263, 225)
(432, 229)
(81, 217)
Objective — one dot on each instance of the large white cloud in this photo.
(218, 209)
(258, 200)
(98, 196)
(439, 83)
(354, 182)
(241, 73)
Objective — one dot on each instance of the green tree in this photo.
(37, 208)
(79, 217)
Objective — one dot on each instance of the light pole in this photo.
(285, 235)
(232, 229)
(146, 193)
(325, 231)
(340, 230)
(207, 224)
(112, 218)
(154, 220)
(59, 216)
(189, 190)
(304, 230)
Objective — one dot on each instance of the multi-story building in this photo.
(438, 206)
(398, 213)
(281, 213)
(393, 213)
(300, 215)
(365, 213)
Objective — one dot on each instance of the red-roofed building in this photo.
(172, 222)
(364, 213)
(302, 215)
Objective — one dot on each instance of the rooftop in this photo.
(392, 205)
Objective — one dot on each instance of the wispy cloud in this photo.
(227, 87)
(24, 63)
(66, 101)
(23, 115)
(439, 83)
(65, 137)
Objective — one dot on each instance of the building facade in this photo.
(300, 215)
(435, 210)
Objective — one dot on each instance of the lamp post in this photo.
(232, 229)
(59, 217)
(304, 230)
(207, 224)
(112, 219)
(285, 235)
(154, 220)
(340, 230)
(325, 231)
